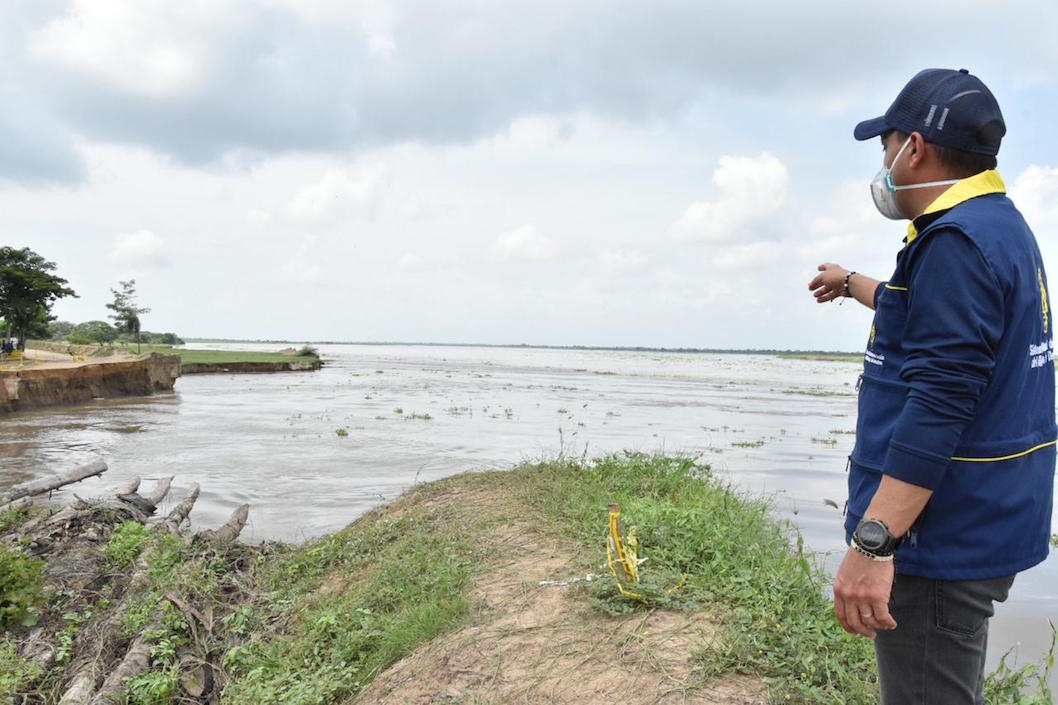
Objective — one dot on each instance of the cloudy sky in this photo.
(578, 172)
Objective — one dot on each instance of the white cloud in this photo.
(525, 243)
(409, 261)
(617, 261)
(258, 217)
(750, 190)
(339, 193)
(154, 48)
(382, 45)
(139, 249)
(304, 266)
(748, 256)
(848, 223)
(1035, 192)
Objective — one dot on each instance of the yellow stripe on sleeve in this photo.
(1006, 457)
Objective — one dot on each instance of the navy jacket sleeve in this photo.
(954, 323)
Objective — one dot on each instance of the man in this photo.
(952, 475)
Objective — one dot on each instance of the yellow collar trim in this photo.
(971, 187)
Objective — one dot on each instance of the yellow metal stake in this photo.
(621, 557)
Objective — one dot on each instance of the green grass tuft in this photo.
(125, 544)
(406, 580)
(21, 587)
(15, 673)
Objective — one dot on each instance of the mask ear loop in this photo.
(927, 184)
(889, 169)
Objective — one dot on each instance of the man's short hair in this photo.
(960, 163)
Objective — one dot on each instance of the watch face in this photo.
(871, 534)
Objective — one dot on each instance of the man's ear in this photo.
(916, 150)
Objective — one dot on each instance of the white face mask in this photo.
(883, 190)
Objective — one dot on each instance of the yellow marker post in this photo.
(621, 558)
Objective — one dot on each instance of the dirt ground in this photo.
(533, 643)
(46, 359)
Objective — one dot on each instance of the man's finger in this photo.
(839, 612)
(852, 613)
(882, 617)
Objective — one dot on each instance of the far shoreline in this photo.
(787, 353)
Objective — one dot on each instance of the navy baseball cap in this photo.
(949, 108)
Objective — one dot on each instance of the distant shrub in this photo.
(58, 330)
(92, 333)
(149, 338)
(308, 351)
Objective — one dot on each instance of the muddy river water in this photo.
(774, 427)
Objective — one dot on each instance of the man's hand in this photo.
(829, 284)
(861, 594)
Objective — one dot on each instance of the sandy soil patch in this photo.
(532, 644)
(47, 359)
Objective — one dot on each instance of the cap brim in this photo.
(871, 128)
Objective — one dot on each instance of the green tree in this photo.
(58, 330)
(28, 288)
(91, 333)
(127, 313)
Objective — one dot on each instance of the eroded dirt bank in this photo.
(54, 384)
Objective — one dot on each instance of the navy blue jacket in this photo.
(958, 389)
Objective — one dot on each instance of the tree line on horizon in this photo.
(29, 287)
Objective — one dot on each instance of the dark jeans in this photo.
(936, 655)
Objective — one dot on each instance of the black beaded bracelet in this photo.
(873, 556)
(848, 292)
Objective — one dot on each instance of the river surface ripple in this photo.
(774, 427)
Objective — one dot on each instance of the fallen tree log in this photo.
(128, 487)
(81, 687)
(23, 502)
(230, 530)
(94, 667)
(160, 491)
(137, 660)
(52, 482)
(180, 512)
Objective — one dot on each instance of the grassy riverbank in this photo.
(191, 359)
(436, 597)
(227, 357)
(187, 356)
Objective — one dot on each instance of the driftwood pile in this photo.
(97, 666)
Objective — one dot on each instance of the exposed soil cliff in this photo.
(48, 386)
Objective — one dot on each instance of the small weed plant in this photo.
(15, 672)
(125, 544)
(1007, 685)
(21, 587)
(11, 518)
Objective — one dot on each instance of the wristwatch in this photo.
(873, 539)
